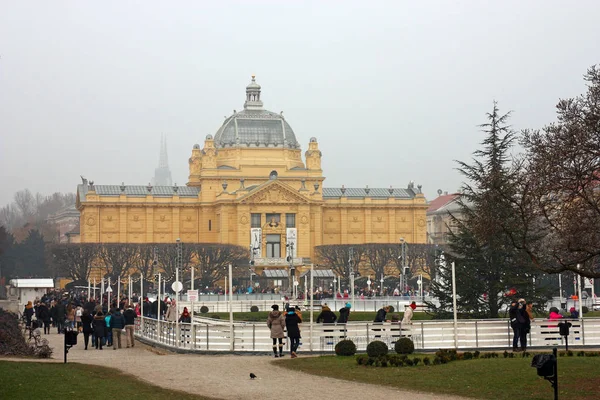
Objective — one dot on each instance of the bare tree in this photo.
(557, 194)
(212, 260)
(337, 257)
(25, 203)
(144, 259)
(73, 260)
(118, 258)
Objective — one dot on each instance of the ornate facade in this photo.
(250, 186)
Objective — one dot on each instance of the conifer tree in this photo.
(490, 271)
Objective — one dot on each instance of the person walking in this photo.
(44, 317)
(292, 322)
(78, 313)
(99, 325)
(130, 315)
(87, 327)
(344, 313)
(70, 316)
(108, 334)
(117, 324)
(28, 314)
(59, 316)
(276, 324)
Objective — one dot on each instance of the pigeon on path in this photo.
(252, 376)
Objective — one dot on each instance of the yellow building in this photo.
(249, 185)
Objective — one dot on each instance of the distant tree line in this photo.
(378, 259)
(209, 261)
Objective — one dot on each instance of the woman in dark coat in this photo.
(87, 326)
(99, 325)
(292, 322)
(44, 316)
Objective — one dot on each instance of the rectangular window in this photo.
(273, 219)
(273, 246)
(255, 220)
(209, 225)
(290, 220)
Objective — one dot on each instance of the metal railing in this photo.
(205, 334)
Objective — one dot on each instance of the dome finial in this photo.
(253, 96)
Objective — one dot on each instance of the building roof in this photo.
(441, 201)
(275, 273)
(368, 192)
(320, 273)
(32, 283)
(255, 126)
(138, 190)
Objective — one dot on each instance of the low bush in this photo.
(426, 361)
(585, 309)
(204, 309)
(467, 355)
(404, 346)
(377, 348)
(254, 309)
(416, 360)
(345, 348)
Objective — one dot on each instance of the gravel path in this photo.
(226, 376)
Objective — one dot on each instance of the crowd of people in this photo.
(106, 324)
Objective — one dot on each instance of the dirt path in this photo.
(226, 376)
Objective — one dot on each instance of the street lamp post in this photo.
(290, 259)
(381, 280)
(351, 265)
(403, 272)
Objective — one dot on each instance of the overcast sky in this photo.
(393, 91)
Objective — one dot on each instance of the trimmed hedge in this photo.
(404, 346)
(377, 348)
(345, 348)
(254, 309)
(204, 309)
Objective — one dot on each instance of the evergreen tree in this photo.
(490, 271)
(30, 257)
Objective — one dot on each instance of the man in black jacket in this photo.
(130, 317)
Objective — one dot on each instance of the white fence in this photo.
(215, 335)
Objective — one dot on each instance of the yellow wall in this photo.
(319, 221)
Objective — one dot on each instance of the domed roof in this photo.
(255, 126)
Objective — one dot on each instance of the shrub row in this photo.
(392, 360)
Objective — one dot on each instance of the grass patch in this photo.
(500, 378)
(31, 380)
(262, 316)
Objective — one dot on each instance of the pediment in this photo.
(273, 192)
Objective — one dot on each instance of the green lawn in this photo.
(498, 379)
(31, 380)
(262, 316)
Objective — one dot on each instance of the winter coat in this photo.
(60, 312)
(291, 322)
(327, 316)
(276, 324)
(408, 314)
(43, 313)
(129, 316)
(71, 315)
(380, 317)
(554, 316)
(117, 321)
(86, 322)
(99, 325)
(171, 314)
(344, 315)
(28, 313)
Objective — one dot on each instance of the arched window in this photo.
(273, 175)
